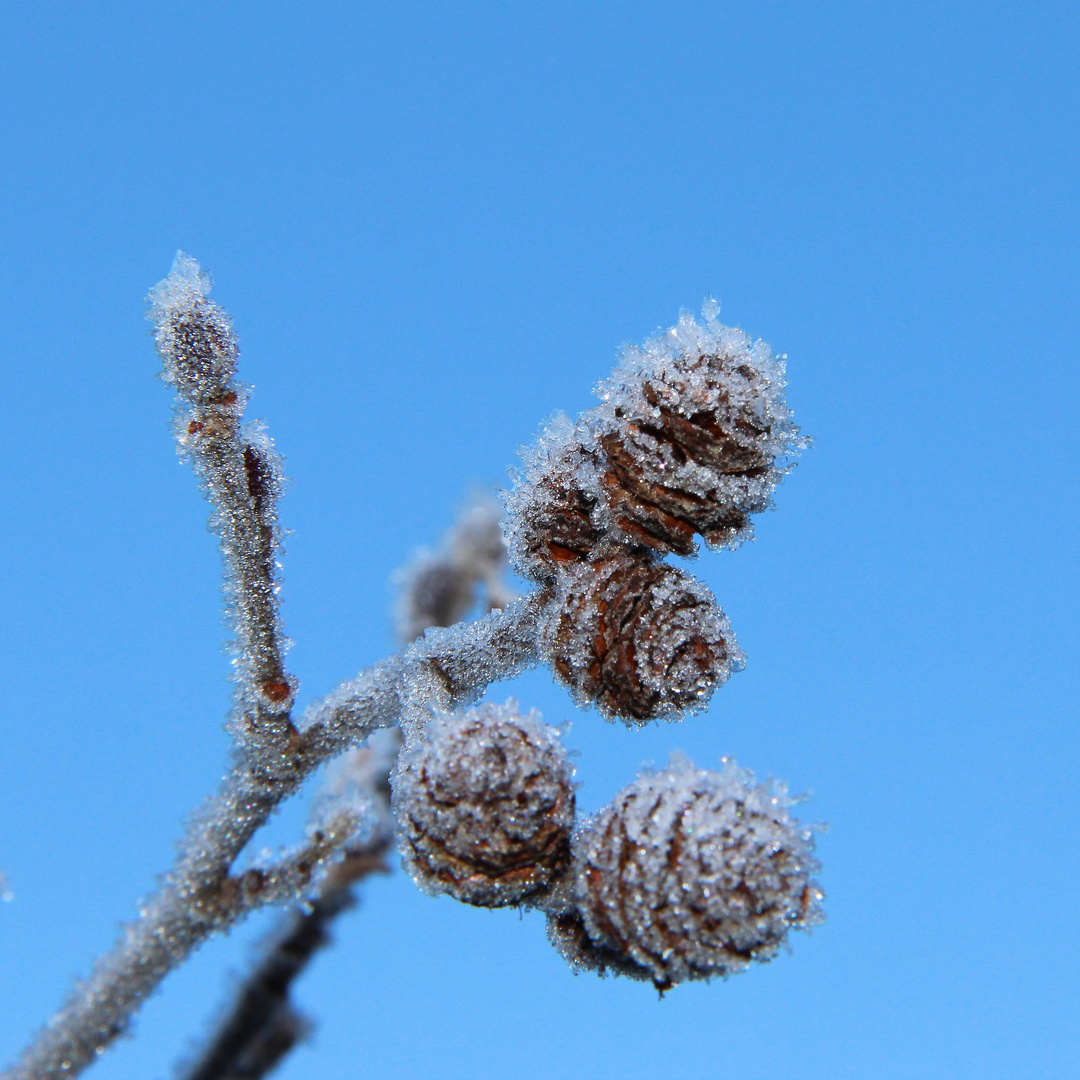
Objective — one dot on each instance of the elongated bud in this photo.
(194, 336)
(639, 639)
(485, 806)
(687, 874)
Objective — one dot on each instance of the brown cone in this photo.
(639, 639)
(485, 806)
(699, 458)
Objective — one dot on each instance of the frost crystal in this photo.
(485, 805)
(638, 638)
(687, 874)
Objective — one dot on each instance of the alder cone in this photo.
(687, 874)
(638, 638)
(691, 448)
(485, 806)
(552, 515)
(567, 932)
(691, 437)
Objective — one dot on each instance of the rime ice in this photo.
(687, 874)
(691, 436)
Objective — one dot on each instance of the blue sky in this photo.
(434, 224)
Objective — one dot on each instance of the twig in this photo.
(240, 473)
(198, 896)
(263, 1025)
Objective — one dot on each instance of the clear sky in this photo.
(434, 223)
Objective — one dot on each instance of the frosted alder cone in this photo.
(692, 435)
(552, 512)
(687, 874)
(691, 429)
(638, 638)
(484, 802)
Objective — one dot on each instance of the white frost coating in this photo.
(745, 383)
(688, 874)
(555, 468)
(357, 782)
(637, 903)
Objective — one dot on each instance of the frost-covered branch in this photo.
(240, 473)
(688, 874)
(440, 588)
(199, 897)
(261, 1025)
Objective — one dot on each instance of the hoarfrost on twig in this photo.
(261, 1024)
(440, 588)
(197, 898)
(241, 475)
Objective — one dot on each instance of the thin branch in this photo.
(263, 1025)
(199, 897)
(240, 474)
(440, 588)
